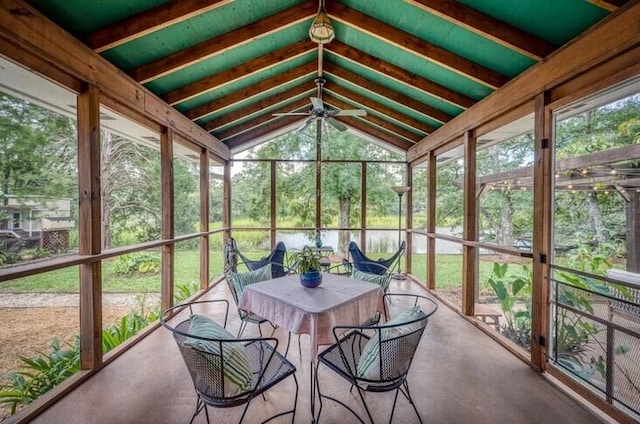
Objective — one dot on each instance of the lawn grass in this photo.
(448, 274)
(66, 279)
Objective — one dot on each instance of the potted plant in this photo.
(306, 263)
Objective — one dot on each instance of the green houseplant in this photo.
(307, 264)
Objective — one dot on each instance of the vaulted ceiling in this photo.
(413, 65)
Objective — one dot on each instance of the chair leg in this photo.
(344, 405)
(292, 411)
(200, 405)
(410, 399)
(243, 325)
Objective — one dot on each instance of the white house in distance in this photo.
(37, 217)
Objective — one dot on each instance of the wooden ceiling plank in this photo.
(610, 5)
(265, 117)
(383, 91)
(258, 106)
(251, 91)
(149, 21)
(374, 132)
(374, 120)
(380, 108)
(487, 26)
(240, 71)
(224, 42)
(389, 70)
(270, 127)
(416, 46)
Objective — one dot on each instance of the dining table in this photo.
(339, 300)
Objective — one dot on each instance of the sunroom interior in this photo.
(138, 136)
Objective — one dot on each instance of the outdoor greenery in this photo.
(44, 371)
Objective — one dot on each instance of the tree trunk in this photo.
(105, 178)
(343, 222)
(633, 231)
(505, 234)
(595, 219)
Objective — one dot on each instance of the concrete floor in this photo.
(459, 375)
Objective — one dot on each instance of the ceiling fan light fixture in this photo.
(321, 30)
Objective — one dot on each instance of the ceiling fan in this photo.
(318, 110)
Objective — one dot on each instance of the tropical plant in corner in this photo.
(511, 291)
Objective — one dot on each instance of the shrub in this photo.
(40, 374)
(137, 263)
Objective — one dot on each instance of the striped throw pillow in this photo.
(242, 279)
(237, 368)
(381, 280)
(369, 363)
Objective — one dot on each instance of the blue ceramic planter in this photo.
(311, 279)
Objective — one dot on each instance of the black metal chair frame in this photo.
(270, 367)
(343, 357)
(276, 258)
(362, 262)
(245, 317)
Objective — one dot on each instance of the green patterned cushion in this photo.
(242, 279)
(369, 363)
(237, 369)
(381, 280)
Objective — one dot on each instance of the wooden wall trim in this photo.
(469, 253)
(168, 218)
(204, 219)
(409, 221)
(611, 37)
(542, 215)
(23, 26)
(90, 240)
(431, 221)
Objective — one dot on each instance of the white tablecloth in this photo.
(338, 301)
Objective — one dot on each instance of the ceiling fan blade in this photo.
(336, 124)
(317, 103)
(291, 114)
(350, 112)
(305, 124)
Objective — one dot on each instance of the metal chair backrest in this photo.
(364, 263)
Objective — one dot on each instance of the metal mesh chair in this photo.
(245, 318)
(396, 343)
(207, 370)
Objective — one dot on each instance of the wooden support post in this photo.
(542, 211)
(409, 219)
(274, 205)
(90, 241)
(226, 200)
(204, 219)
(469, 253)
(363, 206)
(633, 231)
(318, 174)
(168, 218)
(431, 220)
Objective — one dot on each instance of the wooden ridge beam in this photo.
(380, 108)
(251, 91)
(255, 107)
(610, 5)
(380, 90)
(237, 72)
(374, 132)
(224, 42)
(262, 130)
(149, 21)
(375, 120)
(416, 46)
(487, 26)
(401, 75)
(265, 117)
